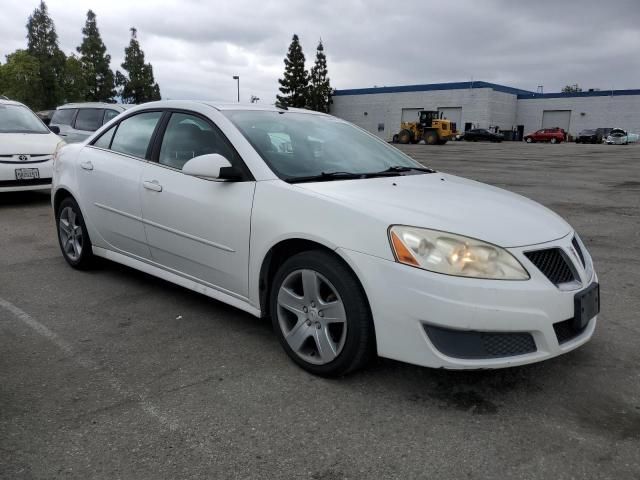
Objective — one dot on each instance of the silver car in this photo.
(77, 121)
(618, 136)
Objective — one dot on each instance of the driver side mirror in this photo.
(55, 129)
(212, 166)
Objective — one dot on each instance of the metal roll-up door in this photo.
(556, 119)
(453, 114)
(410, 114)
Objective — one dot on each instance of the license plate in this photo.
(27, 173)
(586, 305)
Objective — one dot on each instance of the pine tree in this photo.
(138, 85)
(319, 88)
(42, 43)
(95, 62)
(295, 84)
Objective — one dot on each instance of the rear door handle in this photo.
(87, 165)
(153, 185)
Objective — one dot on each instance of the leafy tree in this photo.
(319, 88)
(42, 43)
(575, 88)
(74, 84)
(138, 86)
(20, 79)
(95, 61)
(295, 84)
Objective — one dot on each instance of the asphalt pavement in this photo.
(114, 374)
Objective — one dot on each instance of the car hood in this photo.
(448, 203)
(28, 143)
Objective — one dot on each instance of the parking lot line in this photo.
(82, 360)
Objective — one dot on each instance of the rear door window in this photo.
(134, 133)
(64, 116)
(89, 119)
(109, 114)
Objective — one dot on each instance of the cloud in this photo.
(196, 46)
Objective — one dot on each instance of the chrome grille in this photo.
(553, 264)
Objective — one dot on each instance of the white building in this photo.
(487, 105)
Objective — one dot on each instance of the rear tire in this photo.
(529, 140)
(394, 139)
(404, 137)
(554, 140)
(73, 236)
(308, 291)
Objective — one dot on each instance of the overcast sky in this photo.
(196, 46)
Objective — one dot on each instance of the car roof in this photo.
(222, 106)
(123, 106)
(10, 102)
(254, 106)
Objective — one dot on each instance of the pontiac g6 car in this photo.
(350, 247)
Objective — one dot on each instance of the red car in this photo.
(553, 135)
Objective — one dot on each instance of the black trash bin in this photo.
(508, 135)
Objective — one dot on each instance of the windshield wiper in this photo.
(402, 168)
(327, 176)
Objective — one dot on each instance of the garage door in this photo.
(452, 113)
(410, 114)
(556, 118)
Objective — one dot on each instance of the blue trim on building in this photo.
(599, 93)
(521, 94)
(431, 87)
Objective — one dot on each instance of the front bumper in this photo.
(9, 183)
(407, 301)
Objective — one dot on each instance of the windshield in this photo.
(19, 119)
(588, 132)
(300, 145)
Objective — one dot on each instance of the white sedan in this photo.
(350, 247)
(26, 149)
(618, 136)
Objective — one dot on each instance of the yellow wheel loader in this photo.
(430, 127)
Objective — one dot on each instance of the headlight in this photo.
(452, 254)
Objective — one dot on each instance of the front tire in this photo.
(554, 140)
(73, 236)
(321, 315)
(529, 140)
(430, 137)
(405, 137)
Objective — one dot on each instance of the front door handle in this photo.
(87, 165)
(153, 185)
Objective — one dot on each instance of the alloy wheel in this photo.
(312, 316)
(71, 236)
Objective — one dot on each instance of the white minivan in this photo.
(78, 121)
(26, 149)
